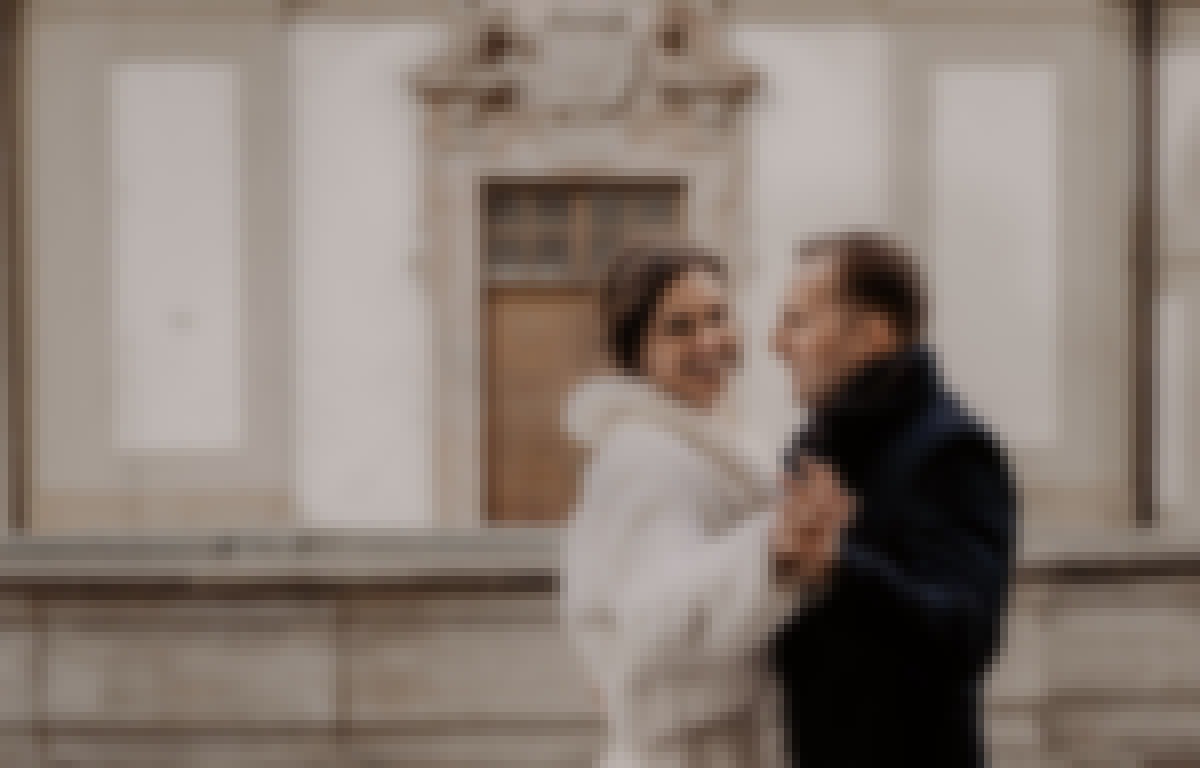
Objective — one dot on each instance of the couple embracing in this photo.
(835, 607)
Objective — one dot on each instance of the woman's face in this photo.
(692, 346)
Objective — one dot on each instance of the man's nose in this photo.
(711, 339)
(776, 343)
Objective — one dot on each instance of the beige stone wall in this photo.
(362, 652)
(1101, 666)
(994, 136)
(429, 651)
(80, 191)
(360, 223)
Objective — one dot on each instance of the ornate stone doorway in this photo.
(548, 97)
(546, 246)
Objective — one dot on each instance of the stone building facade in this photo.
(293, 288)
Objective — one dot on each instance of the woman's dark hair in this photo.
(878, 273)
(637, 281)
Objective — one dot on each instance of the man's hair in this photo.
(876, 272)
(637, 281)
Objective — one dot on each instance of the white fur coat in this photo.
(667, 593)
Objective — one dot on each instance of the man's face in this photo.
(820, 338)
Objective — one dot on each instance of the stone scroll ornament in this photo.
(578, 62)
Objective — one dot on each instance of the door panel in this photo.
(541, 342)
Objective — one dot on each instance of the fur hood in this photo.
(602, 402)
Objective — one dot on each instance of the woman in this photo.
(667, 595)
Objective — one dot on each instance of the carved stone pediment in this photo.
(580, 61)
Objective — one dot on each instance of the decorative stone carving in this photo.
(586, 64)
(480, 71)
(581, 62)
(693, 70)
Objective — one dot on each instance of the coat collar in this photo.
(604, 401)
(872, 405)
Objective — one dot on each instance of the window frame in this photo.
(577, 228)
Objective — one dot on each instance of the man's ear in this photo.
(880, 332)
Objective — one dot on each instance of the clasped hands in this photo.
(814, 508)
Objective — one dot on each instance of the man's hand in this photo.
(813, 512)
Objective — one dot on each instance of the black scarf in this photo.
(850, 428)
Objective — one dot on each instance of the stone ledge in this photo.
(1117, 555)
(364, 558)
(296, 559)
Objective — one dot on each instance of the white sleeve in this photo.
(672, 588)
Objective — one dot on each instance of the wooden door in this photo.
(539, 345)
(546, 246)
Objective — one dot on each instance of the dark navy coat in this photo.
(886, 667)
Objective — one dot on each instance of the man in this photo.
(885, 666)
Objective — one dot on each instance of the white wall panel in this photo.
(995, 235)
(177, 250)
(817, 152)
(364, 362)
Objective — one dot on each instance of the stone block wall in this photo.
(437, 651)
